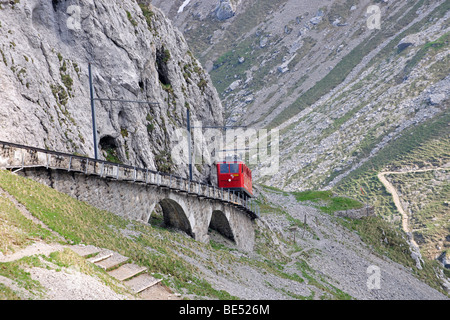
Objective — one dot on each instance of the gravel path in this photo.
(390, 188)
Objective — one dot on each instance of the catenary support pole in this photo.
(94, 127)
(189, 144)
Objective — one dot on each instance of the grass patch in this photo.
(16, 231)
(331, 292)
(273, 189)
(414, 61)
(79, 222)
(328, 202)
(7, 294)
(111, 155)
(313, 195)
(148, 14)
(130, 18)
(16, 270)
(410, 140)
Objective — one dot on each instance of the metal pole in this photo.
(94, 127)
(189, 144)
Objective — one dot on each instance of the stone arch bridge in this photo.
(134, 193)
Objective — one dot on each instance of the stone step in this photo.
(112, 262)
(126, 271)
(141, 282)
(102, 255)
(85, 251)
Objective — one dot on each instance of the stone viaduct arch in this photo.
(134, 194)
(175, 216)
(220, 223)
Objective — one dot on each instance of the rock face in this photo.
(225, 10)
(135, 53)
(331, 100)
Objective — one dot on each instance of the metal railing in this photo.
(18, 157)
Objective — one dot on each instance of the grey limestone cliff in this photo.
(136, 54)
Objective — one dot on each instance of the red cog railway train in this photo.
(234, 175)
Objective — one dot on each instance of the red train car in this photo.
(234, 175)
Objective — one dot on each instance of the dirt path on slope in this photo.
(391, 189)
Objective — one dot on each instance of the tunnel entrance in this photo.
(109, 148)
(162, 57)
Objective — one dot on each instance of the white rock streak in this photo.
(185, 3)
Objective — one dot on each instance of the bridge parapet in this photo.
(19, 157)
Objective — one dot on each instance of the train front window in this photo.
(234, 167)
(224, 168)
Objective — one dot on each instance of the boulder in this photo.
(316, 20)
(263, 42)
(233, 86)
(444, 259)
(410, 40)
(225, 10)
(436, 99)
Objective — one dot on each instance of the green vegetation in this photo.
(110, 155)
(124, 132)
(202, 84)
(150, 127)
(166, 55)
(65, 77)
(164, 162)
(16, 231)
(150, 124)
(440, 43)
(416, 146)
(60, 94)
(228, 63)
(313, 195)
(148, 14)
(68, 259)
(161, 250)
(328, 202)
(67, 81)
(79, 222)
(410, 140)
(130, 18)
(16, 270)
(252, 17)
(427, 195)
(4, 58)
(310, 274)
(158, 249)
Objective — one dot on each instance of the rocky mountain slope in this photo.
(316, 71)
(301, 253)
(136, 54)
(354, 90)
